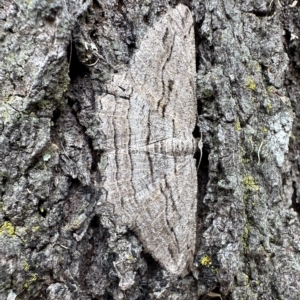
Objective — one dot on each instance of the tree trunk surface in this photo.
(59, 239)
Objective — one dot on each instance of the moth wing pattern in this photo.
(147, 117)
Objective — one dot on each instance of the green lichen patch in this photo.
(46, 157)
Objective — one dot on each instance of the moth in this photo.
(148, 116)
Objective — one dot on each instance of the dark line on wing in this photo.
(166, 214)
(147, 143)
(163, 83)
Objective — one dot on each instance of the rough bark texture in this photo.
(56, 242)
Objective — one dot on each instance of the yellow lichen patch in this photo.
(32, 279)
(250, 183)
(265, 129)
(250, 84)
(206, 260)
(130, 257)
(7, 228)
(237, 125)
(26, 266)
(270, 89)
(35, 228)
(269, 107)
(245, 161)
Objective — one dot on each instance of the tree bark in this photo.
(57, 241)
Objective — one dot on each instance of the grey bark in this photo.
(56, 242)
